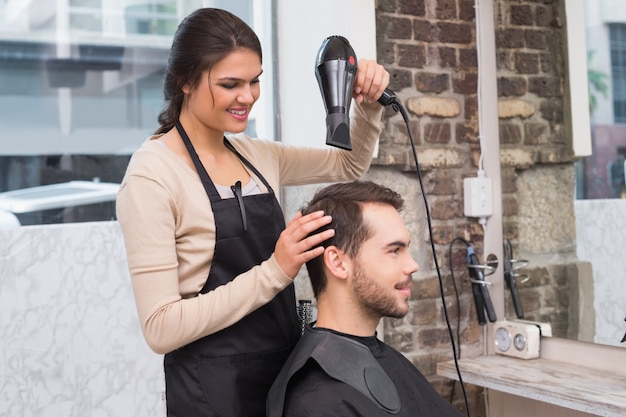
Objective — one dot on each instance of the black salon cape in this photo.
(311, 392)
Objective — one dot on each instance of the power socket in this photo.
(478, 197)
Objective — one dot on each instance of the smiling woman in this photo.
(81, 88)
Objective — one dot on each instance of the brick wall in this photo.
(429, 48)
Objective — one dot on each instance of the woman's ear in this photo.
(336, 262)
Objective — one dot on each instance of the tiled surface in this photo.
(601, 240)
(70, 342)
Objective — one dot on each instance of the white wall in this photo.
(301, 27)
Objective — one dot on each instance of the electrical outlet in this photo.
(478, 197)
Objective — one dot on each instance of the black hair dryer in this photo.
(335, 70)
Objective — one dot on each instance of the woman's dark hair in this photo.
(344, 202)
(202, 39)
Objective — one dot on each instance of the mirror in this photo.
(566, 215)
(80, 90)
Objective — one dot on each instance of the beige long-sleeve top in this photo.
(169, 230)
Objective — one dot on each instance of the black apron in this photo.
(229, 373)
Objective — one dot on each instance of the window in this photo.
(81, 89)
(617, 35)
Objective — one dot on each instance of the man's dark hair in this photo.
(344, 202)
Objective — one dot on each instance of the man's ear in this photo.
(336, 262)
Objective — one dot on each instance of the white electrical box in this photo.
(478, 197)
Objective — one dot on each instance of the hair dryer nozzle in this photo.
(335, 70)
(338, 130)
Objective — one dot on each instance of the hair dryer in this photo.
(335, 70)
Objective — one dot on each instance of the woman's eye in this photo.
(229, 86)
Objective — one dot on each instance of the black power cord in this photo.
(389, 99)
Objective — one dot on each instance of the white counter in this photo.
(70, 341)
(576, 378)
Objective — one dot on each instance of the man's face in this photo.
(381, 274)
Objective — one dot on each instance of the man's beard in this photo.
(376, 300)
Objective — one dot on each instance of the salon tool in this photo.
(335, 70)
(510, 277)
(482, 299)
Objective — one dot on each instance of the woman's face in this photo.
(224, 97)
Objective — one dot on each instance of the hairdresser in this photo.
(211, 261)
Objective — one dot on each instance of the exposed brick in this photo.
(434, 106)
(466, 10)
(526, 63)
(467, 132)
(445, 9)
(388, 6)
(441, 182)
(522, 15)
(509, 230)
(544, 16)
(510, 38)
(400, 134)
(464, 306)
(438, 132)
(547, 86)
(423, 30)
(447, 57)
(392, 156)
(536, 133)
(511, 86)
(423, 312)
(435, 157)
(530, 298)
(552, 110)
(516, 157)
(412, 56)
(385, 52)
(394, 27)
(535, 39)
(508, 180)
(454, 32)
(539, 276)
(465, 83)
(547, 61)
(412, 7)
(433, 337)
(425, 288)
(468, 58)
(432, 55)
(400, 340)
(471, 107)
(399, 79)
(504, 61)
(510, 108)
(446, 208)
(429, 82)
(426, 361)
(510, 133)
(510, 206)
